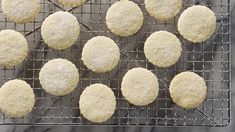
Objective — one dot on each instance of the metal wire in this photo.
(211, 60)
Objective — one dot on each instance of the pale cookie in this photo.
(21, 11)
(59, 77)
(197, 23)
(97, 103)
(60, 30)
(16, 98)
(188, 90)
(163, 9)
(124, 18)
(162, 49)
(13, 48)
(140, 86)
(100, 54)
(73, 3)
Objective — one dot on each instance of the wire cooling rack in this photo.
(210, 59)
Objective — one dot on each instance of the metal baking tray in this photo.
(210, 59)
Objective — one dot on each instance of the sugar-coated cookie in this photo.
(162, 49)
(197, 23)
(163, 9)
(60, 30)
(72, 3)
(21, 11)
(97, 103)
(140, 86)
(124, 18)
(188, 90)
(13, 48)
(59, 77)
(16, 98)
(100, 54)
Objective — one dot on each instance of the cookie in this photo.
(100, 54)
(60, 30)
(197, 23)
(73, 3)
(124, 18)
(162, 49)
(59, 77)
(21, 11)
(188, 90)
(140, 86)
(16, 98)
(97, 103)
(13, 48)
(163, 9)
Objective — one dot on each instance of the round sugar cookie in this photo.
(21, 11)
(60, 30)
(188, 90)
(163, 9)
(97, 103)
(100, 54)
(59, 77)
(73, 3)
(162, 49)
(13, 48)
(124, 18)
(16, 98)
(197, 23)
(140, 86)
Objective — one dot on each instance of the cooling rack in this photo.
(210, 59)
